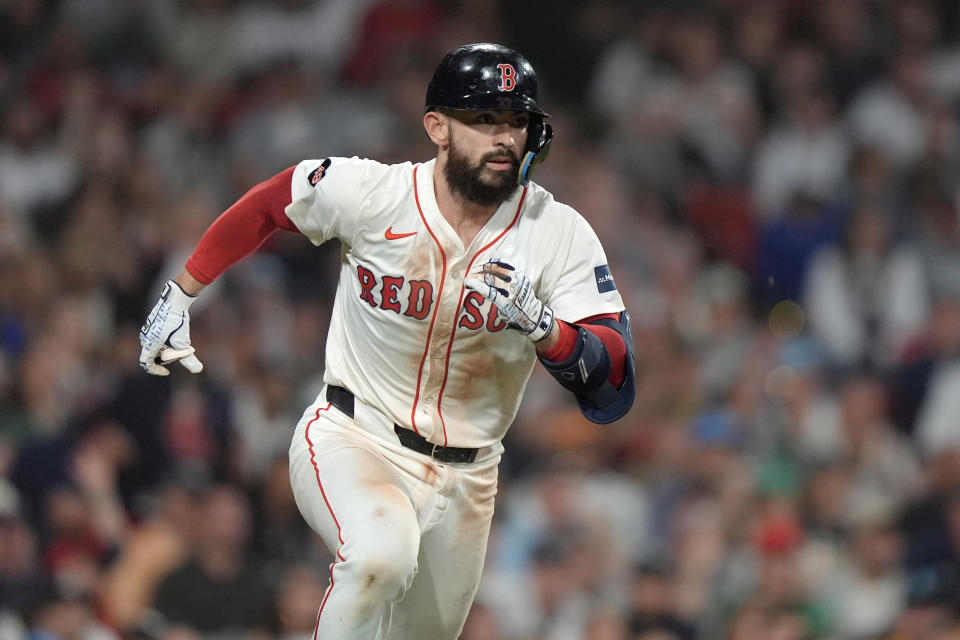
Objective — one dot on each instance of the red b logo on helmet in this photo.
(508, 77)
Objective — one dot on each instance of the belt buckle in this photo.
(433, 450)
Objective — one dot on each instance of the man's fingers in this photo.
(501, 263)
(499, 268)
(490, 269)
(495, 294)
(497, 281)
(480, 287)
(148, 362)
(155, 369)
(192, 363)
(169, 354)
(155, 365)
(476, 284)
(185, 356)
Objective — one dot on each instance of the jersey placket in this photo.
(438, 351)
(448, 280)
(452, 300)
(456, 260)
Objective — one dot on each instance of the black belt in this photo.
(343, 400)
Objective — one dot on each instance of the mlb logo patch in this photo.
(317, 174)
(605, 283)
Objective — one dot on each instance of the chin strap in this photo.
(537, 150)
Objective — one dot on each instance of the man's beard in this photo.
(469, 183)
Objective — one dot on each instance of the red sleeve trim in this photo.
(242, 228)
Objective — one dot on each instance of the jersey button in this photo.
(455, 275)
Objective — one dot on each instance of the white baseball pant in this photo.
(409, 534)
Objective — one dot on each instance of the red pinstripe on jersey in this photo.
(313, 461)
(436, 304)
(446, 366)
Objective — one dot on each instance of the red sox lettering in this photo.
(387, 293)
(419, 299)
(472, 317)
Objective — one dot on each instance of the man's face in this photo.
(484, 154)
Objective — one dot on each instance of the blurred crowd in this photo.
(777, 186)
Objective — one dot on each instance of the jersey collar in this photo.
(504, 216)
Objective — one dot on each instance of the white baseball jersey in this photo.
(405, 335)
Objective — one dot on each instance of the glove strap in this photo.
(176, 296)
(544, 324)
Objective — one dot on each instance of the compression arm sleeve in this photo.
(242, 228)
(612, 340)
(587, 370)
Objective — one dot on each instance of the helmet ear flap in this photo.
(538, 146)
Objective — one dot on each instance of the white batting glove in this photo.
(512, 292)
(165, 336)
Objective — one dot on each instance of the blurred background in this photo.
(776, 185)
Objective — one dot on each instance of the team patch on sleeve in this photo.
(605, 282)
(317, 174)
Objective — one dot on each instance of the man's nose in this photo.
(504, 136)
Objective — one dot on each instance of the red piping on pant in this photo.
(313, 461)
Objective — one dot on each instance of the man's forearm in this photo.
(240, 230)
(550, 340)
(190, 285)
(559, 344)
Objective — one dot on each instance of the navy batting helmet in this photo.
(485, 76)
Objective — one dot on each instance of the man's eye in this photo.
(484, 118)
(521, 123)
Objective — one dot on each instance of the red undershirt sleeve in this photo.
(242, 228)
(610, 338)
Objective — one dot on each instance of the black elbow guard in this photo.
(586, 371)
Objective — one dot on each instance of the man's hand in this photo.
(512, 292)
(165, 336)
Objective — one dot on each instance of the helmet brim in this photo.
(492, 102)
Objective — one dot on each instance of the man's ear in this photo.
(437, 126)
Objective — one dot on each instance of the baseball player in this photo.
(456, 276)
